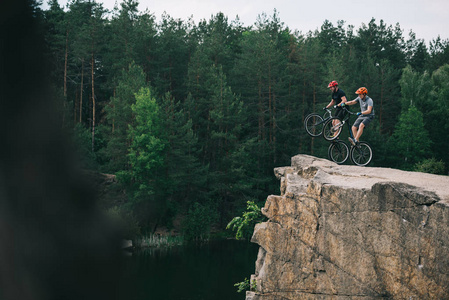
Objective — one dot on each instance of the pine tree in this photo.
(410, 141)
(184, 177)
(120, 116)
(146, 158)
(437, 113)
(123, 37)
(171, 56)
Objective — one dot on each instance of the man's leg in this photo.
(359, 132)
(354, 131)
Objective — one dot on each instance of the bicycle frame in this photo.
(314, 121)
(346, 120)
(328, 112)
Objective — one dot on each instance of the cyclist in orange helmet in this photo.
(338, 97)
(364, 117)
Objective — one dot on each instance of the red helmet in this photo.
(332, 83)
(362, 90)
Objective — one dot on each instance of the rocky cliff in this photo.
(348, 232)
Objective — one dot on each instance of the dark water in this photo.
(193, 272)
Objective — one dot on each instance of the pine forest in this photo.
(193, 118)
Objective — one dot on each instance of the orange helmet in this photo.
(332, 83)
(362, 90)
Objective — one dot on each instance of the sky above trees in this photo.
(428, 19)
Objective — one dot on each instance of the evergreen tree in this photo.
(145, 44)
(439, 53)
(85, 46)
(313, 90)
(415, 89)
(171, 56)
(120, 116)
(410, 141)
(122, 35)
(331, 38)
(146, 158)
(417, 53)
(227, 119)
(262, 68)
(216, 38)
(184, 178)
(55, 34)
(437, 113)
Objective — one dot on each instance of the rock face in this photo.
(348, 232)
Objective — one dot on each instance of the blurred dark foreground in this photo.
(54, 243)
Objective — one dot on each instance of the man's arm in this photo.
(330, 103)
(368, 111)
(349, 102)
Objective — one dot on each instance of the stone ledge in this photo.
(348, 232)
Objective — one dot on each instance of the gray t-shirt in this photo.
(365, 103)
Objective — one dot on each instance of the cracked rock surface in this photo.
(348, 232)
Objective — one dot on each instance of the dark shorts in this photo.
(340, 113)
(365, 120)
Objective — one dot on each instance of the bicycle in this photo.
(314, 122)
(361, 154)
(338, 151)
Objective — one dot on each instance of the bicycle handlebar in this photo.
(344, 107)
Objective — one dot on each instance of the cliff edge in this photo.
(348, 232)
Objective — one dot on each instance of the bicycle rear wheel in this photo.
(331, 131)
(361, 154)
(338, 152)
(314, 124)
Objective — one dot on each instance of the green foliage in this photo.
(120, 116)
(410, 141)
(82, 139)
(245, 285)
(147, 142)
(415, 89)
(436, 113)
(198, 222)
(146, 158)
(431, 166)
(223, 104)
(244, 225)
(158, 241)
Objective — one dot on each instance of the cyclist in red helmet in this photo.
(365, 116)
(338, 97)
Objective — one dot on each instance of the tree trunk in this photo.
(75, 109)
(303, 110)
(93, 104)
(81, 91)
(261, 112)
(64, 104)
(66, 62)
(381, 99)
(113, 119)
(274, 129)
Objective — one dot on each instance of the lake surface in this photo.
(192, 272)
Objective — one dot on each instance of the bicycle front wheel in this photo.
(332, 129)
(314, 124)
(361, 154)
(338, 152)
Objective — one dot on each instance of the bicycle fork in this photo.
(335, 128)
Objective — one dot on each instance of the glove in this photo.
(342, 104)
(359, 113)
(324, 108)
